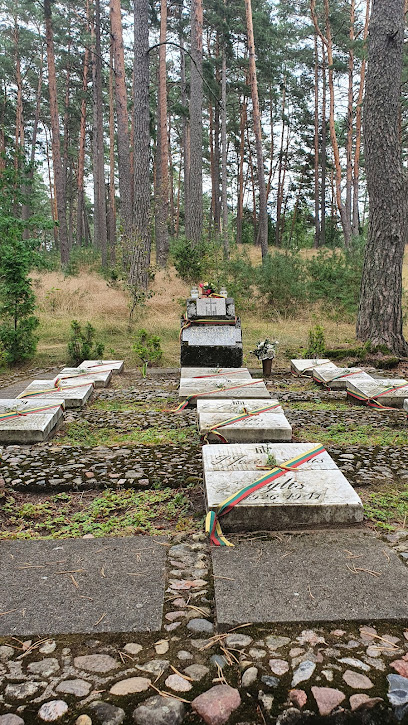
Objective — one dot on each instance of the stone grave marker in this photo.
(235, 405)
(316, 493)
(306, 367)
(117, 366)
(100, 379)
(336, 378)
(384, 391)
(270, 425)
(210, 334)
(75, 396)
(214, 373)
(222, 387)
(29, 421)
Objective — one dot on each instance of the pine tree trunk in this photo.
(349, 142)
(194, 211)
(380, 311)
(112, 196)
(217, 151)
(224, 154)
(55, 134)
(357, 150)
(162, 156)
(316, 148)
(122, 117)
(81, 151)
(323, 154)
(240, 209)
(141, 239)
(263, 212)
(279, 193)
(183, 100)
(98, 155)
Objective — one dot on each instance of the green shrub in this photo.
(148, 349)
(316, 342)
(82, 345)
(281, 282)
(335, 278)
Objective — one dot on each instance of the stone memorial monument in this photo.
(210, 334)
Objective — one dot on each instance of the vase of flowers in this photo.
(265, 351)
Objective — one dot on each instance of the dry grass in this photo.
(88, 297)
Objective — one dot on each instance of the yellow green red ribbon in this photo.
(372, 402)
(27, 411)
(48, 391)
(212, 524)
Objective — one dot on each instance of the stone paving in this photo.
(272, 674)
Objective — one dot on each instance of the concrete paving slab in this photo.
(222, 388)
(336, 378)
(214, 373)
(75, 396)
(81, 586)
(100, 378)
(387, 391)
(306, 367)
(315, 494)
(29, 421)
(258, 428)
(117, 366)
(324, 576)
(239, 405)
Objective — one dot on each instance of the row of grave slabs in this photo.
(282, 518)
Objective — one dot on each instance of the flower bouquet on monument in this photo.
(265, 350)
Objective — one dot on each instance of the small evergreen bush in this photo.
(335, 277)
(82, 345)
(316, 342)
(148, 349)
(281, 282)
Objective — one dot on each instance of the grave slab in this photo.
(306, 367)
(214, 373)
(117, 366)
(222, 388)
(211, 345)
(100, 379)
(387, 391)
(237, 405)
(309, 577)
(74, 396)
(315, 494)
(120, 585)
(336, 378)
(29, 426)
(259, 428)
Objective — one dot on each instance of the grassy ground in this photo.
(88, 297)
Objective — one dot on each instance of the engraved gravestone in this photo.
(205, 344)
(29, 421)
(336, 378)
(315, 493)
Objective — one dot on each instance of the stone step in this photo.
(116, 366)
(321, 576)
(30, 426)
(315, 493)
(74, 396)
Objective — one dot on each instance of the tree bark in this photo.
(240, 209)
(162, 151)
(112, 196)
(81, 152)
(380, 312)
(194, 210)
(98, 154)
(350, 114)
(316, 151)
(55, 134)
(224, 195)
(323, 153)
(122, 116)
(141, 238)
(357, 150)
(263, 213)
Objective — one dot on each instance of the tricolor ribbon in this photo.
(306, 370)
(185, 402)
(212, 524)
(236, 419)
(21, 413)
(372, 402)
(336, 377)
